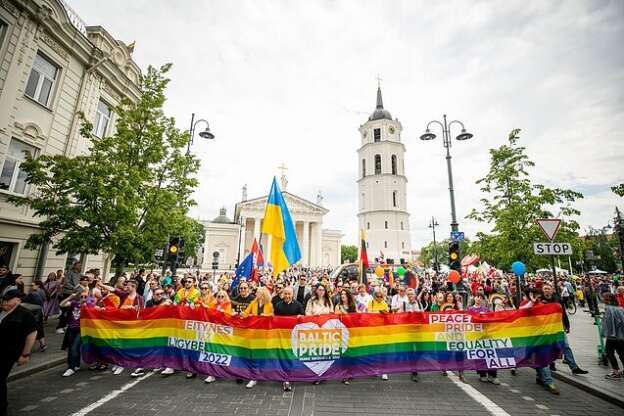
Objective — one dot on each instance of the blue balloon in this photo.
(518, 268)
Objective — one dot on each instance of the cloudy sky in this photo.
(291, 81)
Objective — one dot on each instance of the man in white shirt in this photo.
(412, 304)
(399, 300)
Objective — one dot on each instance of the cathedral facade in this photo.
(382, 194)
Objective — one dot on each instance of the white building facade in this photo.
(382, 185)
(53, 68)
(228, 240)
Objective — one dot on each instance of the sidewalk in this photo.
(40, 361)
(583, 339)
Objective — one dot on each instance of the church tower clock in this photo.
(382, 196)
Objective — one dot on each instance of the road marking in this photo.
(528, 399)
(514, 391)
(505, 384)
(110, 396)
(65, 391)
(29, 408)
(477, 396)
(48, 399)
(541, 406)
(82, 384)
(95, 378)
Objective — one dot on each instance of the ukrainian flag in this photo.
(279, 225)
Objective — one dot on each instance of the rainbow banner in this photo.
(322, 347)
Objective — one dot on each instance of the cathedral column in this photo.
(256, 233)
(315, 246)
(305, 250)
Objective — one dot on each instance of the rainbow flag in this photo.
(279, 225)
(321, 347)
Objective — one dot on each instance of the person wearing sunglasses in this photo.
(221, 303)
(187, 294)
(260, 306)
(244, 298)
(205, 298)
(72, 337)
(378, 305)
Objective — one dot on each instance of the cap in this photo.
(11, 294)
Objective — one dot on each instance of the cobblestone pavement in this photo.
(102, 393)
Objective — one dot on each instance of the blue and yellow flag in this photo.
(278, 224)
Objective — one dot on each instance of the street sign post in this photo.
(457, 236)
(550, 227)
(552, 249)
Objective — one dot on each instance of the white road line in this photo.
(528, 398)
(541, 406)
(48, 399)
(65, 391)
(514, 390)
(29, 408)
(110, 396)
(477, 396)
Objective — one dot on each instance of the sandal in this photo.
(613, 376)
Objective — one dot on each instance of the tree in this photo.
(618, 190)
(128, 195)
(512, 205)
(348, 254)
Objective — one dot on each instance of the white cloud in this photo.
(291, 82)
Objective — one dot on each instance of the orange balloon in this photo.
(454, 276)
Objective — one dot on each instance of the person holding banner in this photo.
(222, 302)
(288, 307)
(205, 298)
(260, 306)
(346, 303)
(320, 303)
(187, 294)
(378, 305)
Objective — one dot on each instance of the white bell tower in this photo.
(382, 184)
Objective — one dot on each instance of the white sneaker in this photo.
(384, 377)
(69, 372)
(156, 370)
(210, 379)
(60, 331)
(167, 371)
(251, 384)
(138, 373)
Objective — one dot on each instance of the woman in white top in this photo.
(320, 303)
(362, 299)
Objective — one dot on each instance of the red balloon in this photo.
(454, 276)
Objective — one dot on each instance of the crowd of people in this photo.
(298, 291)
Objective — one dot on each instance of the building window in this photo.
(401, 225)
(363, 167)
(41, 80)
(12, 177)
(377, 134)
(363, 201)
(394, 165)
(377, 164)
(386, 224)
(102, 117)
(3, 30)
(7, 251)
(402, 244)
(368, 225)
(367, 244)
(385, 244)
(394, 199)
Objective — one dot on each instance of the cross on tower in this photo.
(283, 179)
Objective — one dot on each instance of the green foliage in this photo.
(513, 203)
(618, 189)
(604, 249)
(127, 195)
(348, 253)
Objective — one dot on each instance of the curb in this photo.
(589, 388)
(36, 369)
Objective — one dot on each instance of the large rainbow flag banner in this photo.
(321, 347)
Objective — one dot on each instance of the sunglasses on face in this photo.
(83, 297)
(159, 293)
(244, 288)
(204, 288)
(220, 297)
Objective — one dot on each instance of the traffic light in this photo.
(174, 246)
(454, 262)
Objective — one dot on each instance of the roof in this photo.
(380, 112)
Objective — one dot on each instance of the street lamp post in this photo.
(432, 225)
(446, 141)
(206, 134)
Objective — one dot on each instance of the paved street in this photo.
(50, 394)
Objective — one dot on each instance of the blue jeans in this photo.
(544, 375)
(73, 349)
(568, 355)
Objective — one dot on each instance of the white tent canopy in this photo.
(559, 271)
(597, 271)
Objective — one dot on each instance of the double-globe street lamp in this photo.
(446, 141)
(433, 224)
